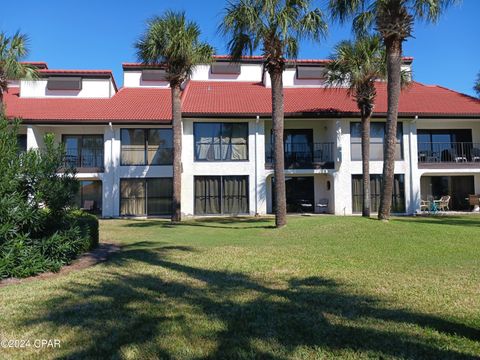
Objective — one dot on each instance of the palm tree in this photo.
(477, 85)
(359, 64)
(12, 50)
(393, 19)
(276, 26)
(173, 42)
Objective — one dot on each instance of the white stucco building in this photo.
(120, 139)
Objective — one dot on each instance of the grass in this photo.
(323, 287)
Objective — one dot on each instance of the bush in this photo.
(22, 256)
(88, 225)
(38, 232)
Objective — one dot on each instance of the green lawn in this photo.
(322, 287)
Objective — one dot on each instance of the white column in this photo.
(111, 183)
(187, 169)
(34, 137)
(342, 178)
(412, 184)
(260, 186)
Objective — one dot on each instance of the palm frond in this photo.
(173, 41)
(274, 26)
(12, 51)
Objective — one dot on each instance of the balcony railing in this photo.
(448, 152)
(304, 155)
(88, 159)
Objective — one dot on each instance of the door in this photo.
(298, 145)
(461, 187)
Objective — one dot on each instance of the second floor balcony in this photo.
(89, 160)
(445, 154)
(304, 155)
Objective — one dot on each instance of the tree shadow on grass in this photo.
(181, 304)
(214, 222)
(472, 220)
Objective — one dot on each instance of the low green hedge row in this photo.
(23, 255)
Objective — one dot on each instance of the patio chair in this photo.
(424, 205)
(475, 154)
(443, 203)
(322, 205)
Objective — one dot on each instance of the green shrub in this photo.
(38, 231)
(88, 224)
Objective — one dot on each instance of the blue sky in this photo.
(99, 34)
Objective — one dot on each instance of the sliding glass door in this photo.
(398, 197)
(150, 197)
(221, 195)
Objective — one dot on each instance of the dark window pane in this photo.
(64, 83)
(207, 141)
(132, 197)
(90, 196)
(234, 141)
(72, 149)
(22, 142)
(159, 196)
(133, 146)
(225, 68)
(160, 146)
(377, 136)
(235, 195)
(221, 141)
(398, 197)
(207, 195)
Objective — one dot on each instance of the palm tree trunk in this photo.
(279, 160)
(366, 163)
(394, 64)
(177, 153)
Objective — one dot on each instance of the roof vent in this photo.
(154, 75)
(64, 83)
(310, 72)
(225, 68)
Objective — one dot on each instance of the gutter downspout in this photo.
(256, 165)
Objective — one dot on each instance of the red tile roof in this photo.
(129, 104)
(232, 98)
(243, 98)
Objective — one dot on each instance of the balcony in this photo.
(89, 160)
(448, 154)
(304, 156)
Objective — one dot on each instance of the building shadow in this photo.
(134, 310)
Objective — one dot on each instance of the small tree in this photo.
(359, 65)
(172, 41)
(12, 51)
(276, 26)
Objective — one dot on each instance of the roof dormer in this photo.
(69, 83)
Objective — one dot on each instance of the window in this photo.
(310, 72)
(154, 75)
(398, 197)
(146, 196)
(226, 68)
(377, 134)
(64, 83)
(90, 195)
(221, 195)
(221, 141)
(84, 151)
(22, 143)
(146, 146)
